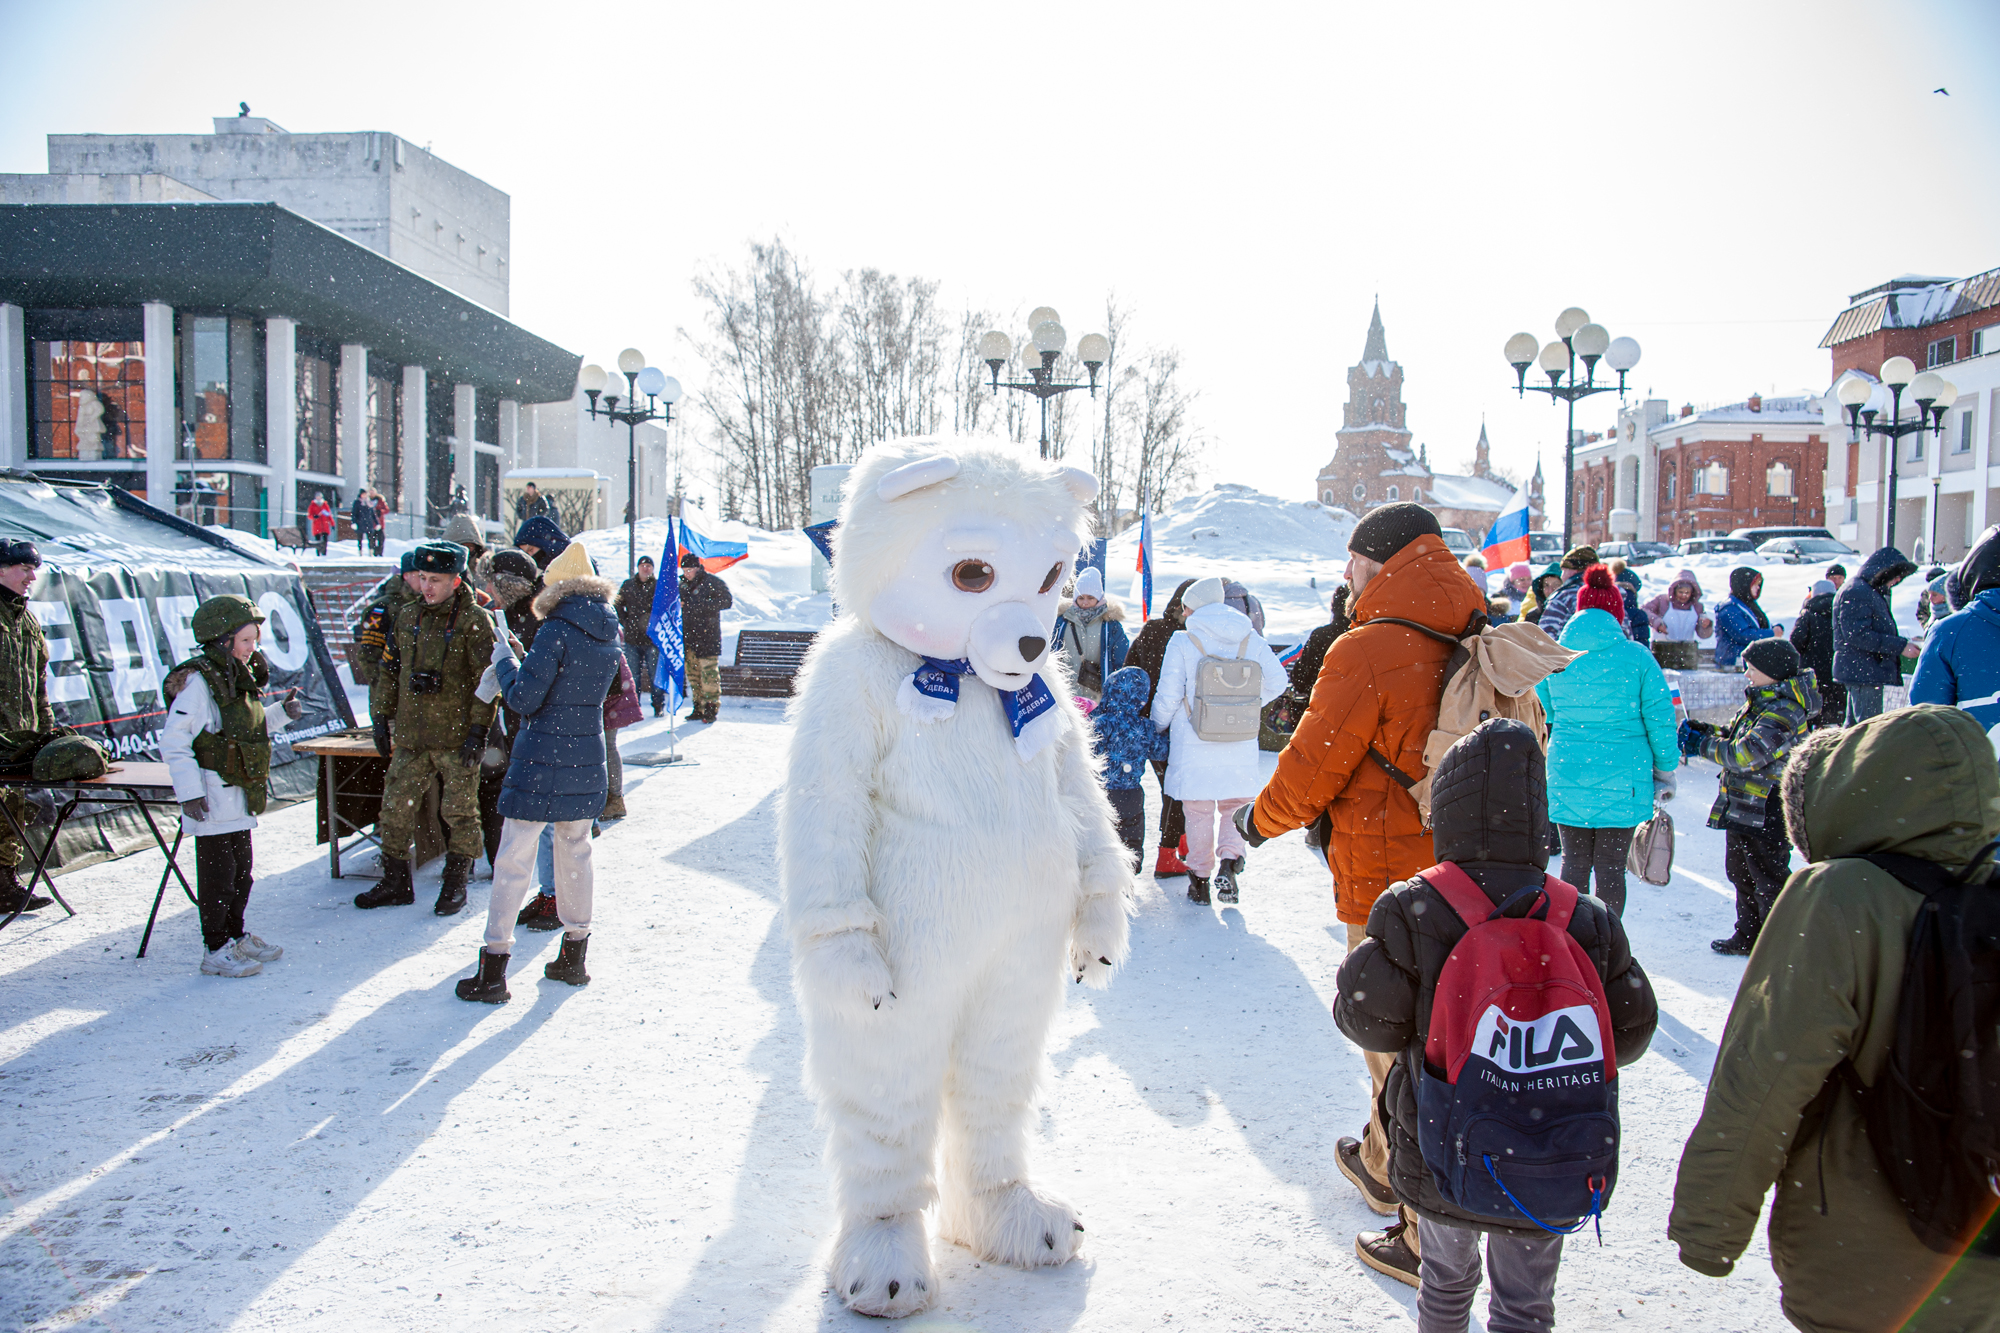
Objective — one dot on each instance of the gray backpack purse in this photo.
(1228, 699)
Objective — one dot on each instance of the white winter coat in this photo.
(1199, 770)
(192, 713)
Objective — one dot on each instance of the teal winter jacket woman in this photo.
(1611, 725)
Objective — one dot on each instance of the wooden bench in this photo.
(292, 537)
(767, 660)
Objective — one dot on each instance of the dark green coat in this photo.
(1822, 987)
(453, 638)
(391, 595)
(24, 669)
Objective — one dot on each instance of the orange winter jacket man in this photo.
(1379, 686)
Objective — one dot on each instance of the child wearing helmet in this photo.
(217, 744)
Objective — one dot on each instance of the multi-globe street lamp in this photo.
(1039, 351)
(1931, 392)
(1576, 337)
(662, 392)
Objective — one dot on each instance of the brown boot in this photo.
(614, 808)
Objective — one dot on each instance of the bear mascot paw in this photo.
(948, 858)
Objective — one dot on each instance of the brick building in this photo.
(1375, 461)
(1665, 477)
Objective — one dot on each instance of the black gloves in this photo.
(197, 809)
(382, 746)
(474, 747)
(1246, 824)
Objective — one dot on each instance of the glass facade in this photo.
(487, 503)
(317, 389)
(385, 430)
(221, 364)
(86, 384)
(227, 499)
(439, 427)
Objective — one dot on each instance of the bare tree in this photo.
(1165, 447)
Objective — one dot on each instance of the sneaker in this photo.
(1170, 864)
(1197, 889)
(540, 913)
(252, 946)
(1388, 1252)
(1736, 945)
(1378, 1196)
(227, 962)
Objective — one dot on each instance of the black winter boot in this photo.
(540, 913)
(451, 893)
(1225, 881)
(568, 965)
(1197, 889)
(394, 890)
(15, 898)
(490, 986)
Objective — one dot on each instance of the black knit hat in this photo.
(689, 560)
(19, 553)
(516, 564)
(1776, 658)
(1390, 528)
(438, 558)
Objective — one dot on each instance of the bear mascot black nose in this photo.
(1031, 647)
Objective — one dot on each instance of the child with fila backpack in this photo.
(1503, 1071)
(1215, 678)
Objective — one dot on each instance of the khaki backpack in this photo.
(1228, 702)
(1492, 672)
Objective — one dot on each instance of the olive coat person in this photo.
(371, 627)
(429, 718)
(24, 700)
(1778, 1118)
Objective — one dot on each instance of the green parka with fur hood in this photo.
(1822, 987)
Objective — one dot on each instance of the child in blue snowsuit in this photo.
(1127, 739)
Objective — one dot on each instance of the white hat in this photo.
(1090, 583)
(1203, 592)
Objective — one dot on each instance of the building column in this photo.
(414, 416)
(13, 387)
(510, 435)
(162, 416)
(281, 419)
(353, 419)
(1982, 458)
(464, 458)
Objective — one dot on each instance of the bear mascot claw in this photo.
(948, 859)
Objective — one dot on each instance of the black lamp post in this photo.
(1933, 395)
(662, 392)
(1038, 358)
(1577, 338)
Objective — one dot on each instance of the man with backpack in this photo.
(1498, 1071)
(1873, 1196)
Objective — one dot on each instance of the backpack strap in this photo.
(1474, 907)
(1424, 630)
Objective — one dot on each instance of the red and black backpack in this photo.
(1518, 1101)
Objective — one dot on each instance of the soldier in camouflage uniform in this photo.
(430, 720)
(704, 598)
(371, 631)
(24, 700)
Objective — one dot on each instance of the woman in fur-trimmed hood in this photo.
(1090, 634)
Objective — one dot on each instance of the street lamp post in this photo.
(662, 392)
(1931, 392)
(1039, 351)
(1576, 337)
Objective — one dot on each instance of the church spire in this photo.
(1482, 455)
(1378, 345)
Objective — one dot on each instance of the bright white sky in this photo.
(1704, 175)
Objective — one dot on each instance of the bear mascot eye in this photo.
(1055, 572)
(972, 576)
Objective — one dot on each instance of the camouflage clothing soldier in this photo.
(24, 700)
(430, 719)
(371, 631)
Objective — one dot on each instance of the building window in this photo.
(1711, 480)
(1360, 491)
(1395, 493)
(1778, 481)
(1326, 496)
(385, 431)
(1986, 340)
(221, 389)
(1941, 351)
(1853, 509)
(486, 503)
(1671, 483)
(1917, 444)
(317, 448)
(1597, 498)
(1965, 416)
(87, 399)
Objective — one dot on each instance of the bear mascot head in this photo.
(948, 857)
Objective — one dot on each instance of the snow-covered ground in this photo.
(342, 1144)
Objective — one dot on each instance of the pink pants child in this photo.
(1203, 847)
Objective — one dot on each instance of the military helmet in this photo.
(220, 617)
(67, 758)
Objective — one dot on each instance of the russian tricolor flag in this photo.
(715, 555)
(1507, 539)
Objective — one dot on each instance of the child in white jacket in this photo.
(217, 744)
(1211, 778)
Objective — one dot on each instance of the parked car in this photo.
(1544, 547)
(1459, 541)
(1758, 536)
(1806, 550)
(1635, 553)
(1713, 546)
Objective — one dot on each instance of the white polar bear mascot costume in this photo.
(948, 857)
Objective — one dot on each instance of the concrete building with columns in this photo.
(231, 360)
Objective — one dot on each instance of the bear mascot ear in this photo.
(1081, 484)
(915, 476)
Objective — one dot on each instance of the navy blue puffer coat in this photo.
(557, 772)
(1866, 643)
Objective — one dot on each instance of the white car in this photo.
(1459, 541)
(1806, 550)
